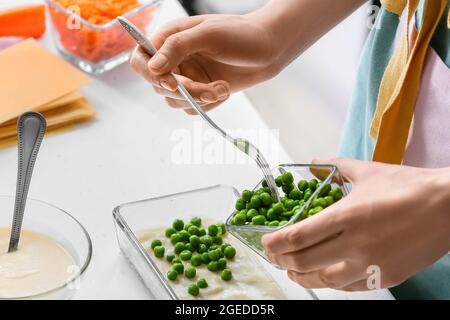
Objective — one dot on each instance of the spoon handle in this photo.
(31, 128)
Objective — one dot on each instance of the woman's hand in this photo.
(213, 55)
(396, 218)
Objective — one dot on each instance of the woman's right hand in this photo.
(212, 55)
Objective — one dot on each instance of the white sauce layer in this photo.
(39, 265)
(250, 281)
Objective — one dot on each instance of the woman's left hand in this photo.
(394, 223)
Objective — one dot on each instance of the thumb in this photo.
(350, 169)
(176, 48)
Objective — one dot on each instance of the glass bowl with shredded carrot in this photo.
(87, 34)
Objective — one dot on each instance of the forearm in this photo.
(296, 24)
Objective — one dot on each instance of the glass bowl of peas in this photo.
(305, 190)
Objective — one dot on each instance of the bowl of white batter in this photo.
(54, 252)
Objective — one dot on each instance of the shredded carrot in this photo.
(98, 45)
(26, 21)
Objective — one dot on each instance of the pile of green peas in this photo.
(259, 208)
(199, 246)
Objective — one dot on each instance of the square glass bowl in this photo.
(94, 46)
(212, 203)
(251, 235)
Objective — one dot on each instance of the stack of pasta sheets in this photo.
(33, 79)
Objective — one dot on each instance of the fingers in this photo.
(314, 258)
(336, 276)
(351, 169)
(173, 27)
(308, 232)
(139, 63)
(176, 48)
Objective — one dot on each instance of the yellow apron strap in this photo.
(401, 81)
(394, 6)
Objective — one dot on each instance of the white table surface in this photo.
(125, 155)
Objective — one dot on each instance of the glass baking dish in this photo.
(212, 203)
(94, 46)
(251, 235)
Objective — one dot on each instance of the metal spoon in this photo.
(31, 128)
(243, 145)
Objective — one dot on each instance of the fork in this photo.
(243, 145)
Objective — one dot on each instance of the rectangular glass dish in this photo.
(97, 46)
(214, 204)
(251, 235)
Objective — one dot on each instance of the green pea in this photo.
(202, 248)
(222, 228)
(201, 232)
(213, 230)
(240, 219)
(184, 235)
(287, 178)
(221, 264)
(325, 190)
(240, 204)
(178, 225)
(278, 208)
(193, 290)
(194, 230)
(336, 193)
(196, 221)
(307, 194)
(264, 184)
(178, 267)
(202, 284)
(190, 272)
(314, 211)
(214, 255)
(175, 238)
(176, 260)
(185, 255)
(289, 204)
(205, 258)
(272, 215)
(155, 243)
(296, 194)
(251, 213)
(247, 195)
(266, 223)
(170, 257)
(194, 241)
(170, 231)
(159, 251)
(179, 247)
(213, 247)
(229, 252)
(282, 223)
(312, 184)
(256, 201)
(223, 246)
(249, 206)
(217, 240)
(329, 200)
(259, 220)
(196, 260)
(226, 275)
(278, 181)
(263, 211)
(172, 275)
(302, 185)
(189, 247)
(212, 266)
(206, 240)
(319, 202)
(287, 188)
(274, 223)
(266, 198)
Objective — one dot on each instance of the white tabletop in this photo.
(126, 154)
